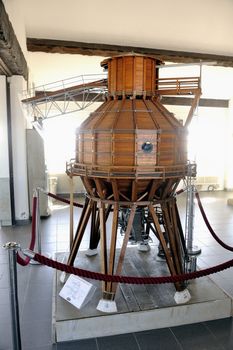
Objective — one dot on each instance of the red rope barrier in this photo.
(75, 204)
(224, 245)
(130, 279)
(180, 191)
(20, 260)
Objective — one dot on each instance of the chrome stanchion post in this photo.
(192, 251)
(38, 226)
(12, 248)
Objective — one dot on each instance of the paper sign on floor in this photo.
(77, 291)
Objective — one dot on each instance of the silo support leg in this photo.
(95, 230)
(108, 304)
(170, 228)
(80, 230)
(112, 253)
(168, 255)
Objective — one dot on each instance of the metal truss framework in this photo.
(78, 93)
(65, 96)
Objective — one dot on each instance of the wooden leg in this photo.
(103, 241)
(95, 238)
(179, 225)
(168, 256)
(93, 233)
(177, 235)
(124, 245)
(113, 244)
(80, 230)
(170, 229)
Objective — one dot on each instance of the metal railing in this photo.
(53, 88)
(64, 96)
(176, 86)
(126, 171)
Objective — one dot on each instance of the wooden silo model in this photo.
(130, 154)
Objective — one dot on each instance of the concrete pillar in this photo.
(5, 205)
(17, 85)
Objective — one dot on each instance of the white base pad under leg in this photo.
(63, 277)
(91, 252)
(107, 306)
(143, 247)
(182, 297)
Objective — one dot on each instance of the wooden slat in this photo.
(128, 294)
(140, 292)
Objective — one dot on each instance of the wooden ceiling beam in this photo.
(186, 101)
(11, 56)
(105, 50)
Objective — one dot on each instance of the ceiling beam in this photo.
(95, 49)
(186, 101)
(12, 60)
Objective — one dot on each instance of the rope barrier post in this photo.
(71, 211)
(38, 231)
(193, 251)
(12, 248)
(38, 225)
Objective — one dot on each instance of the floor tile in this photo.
(85, 344)
(36, 333)
(42, 309)
(5, 335)
(223, 330)
(196, 337)
(118, 342)
(159, 339)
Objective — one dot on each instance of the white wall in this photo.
(17, 84)
(5, 209)
(4, 154)
(48, 68)
(207, 141)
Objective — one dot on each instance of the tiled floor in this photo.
(35, 288)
